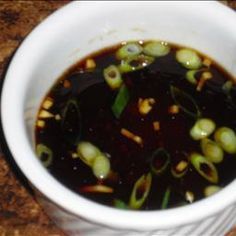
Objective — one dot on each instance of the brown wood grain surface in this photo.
(20, 215)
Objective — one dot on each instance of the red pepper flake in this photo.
(99, 188)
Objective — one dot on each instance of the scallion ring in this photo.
(191, 76)
(156, 49)
(211, 189)
(204, 167)
(212, 151)
(120, 204)
(160, 160)
(188, 58)
(87, 152)
(135, 63)
(129, 50)
(44, 154)
(101, 166)
(226, 138)
(113, 77)
(140, 191)
(202, 128)
(185, 101)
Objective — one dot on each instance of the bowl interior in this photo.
(97, 27)
(82, 28)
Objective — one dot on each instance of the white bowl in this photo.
(70, 34)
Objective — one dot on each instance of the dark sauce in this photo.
(97, 124)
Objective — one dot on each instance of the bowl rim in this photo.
(72, 202)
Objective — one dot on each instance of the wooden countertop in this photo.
(20, 215)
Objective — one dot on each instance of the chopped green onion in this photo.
(129, 50)
(135, 63)
(204, 167)
(202, 128)
(87, 152)
(120, 204)
(160, 160)
(212, 151)
(101, 166)
(166, 198)
(226, 138)
(190, 76)
(180, 169)
(71, 121)
(156, 49)
(188, 58)
(121, 101)
(92, 156)
(211, 189)
(140, 191)
(227, 86)
(44, 154)
(185, 101)
(113, 77)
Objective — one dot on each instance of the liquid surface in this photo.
(97, 124)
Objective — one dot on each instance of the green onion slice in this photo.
(226, 138)
(129, 50)
(202, 128)
(212, 151)
(71, 121)
(120, 204)
(185, 101)
(87, 152)
(121, 101)
(113, 77)
(140, 191)
(227, 86)
(191, 76)
(135, 63)
(188, 58)
(160, 160)
(166, 198)
(204, 167)
(101, 166)
(156, 49)
(44, 154)
(211, 189)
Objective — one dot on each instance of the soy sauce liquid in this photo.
(129, 161)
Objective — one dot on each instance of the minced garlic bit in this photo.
(57, 117)
(45, 114)
(204, 77)
(47, 103)
(173, 109)
(74, 155)
(207, 62)
(40, 123)
(132, 136)
(90, 64)
(156, 125)
(145, 105)
(181, 166)
(189, 196)
(66, 83)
